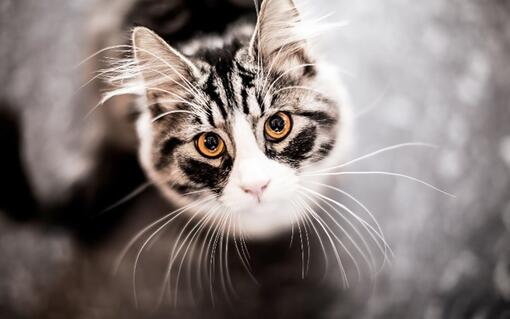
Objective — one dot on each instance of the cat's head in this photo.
(233, 122)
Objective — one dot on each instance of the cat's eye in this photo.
(210, 145)
(277, 127)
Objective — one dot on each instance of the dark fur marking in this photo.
(183, 189)
(261, 103)
(166, 151)
(319, 117)
(202, 173)
(298, 148)
(156, 109)
(309, 71)
(210, 117)
(244, 97)
(211, 90)
(325, 149)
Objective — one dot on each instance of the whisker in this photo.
(388, 174)
(372, 105)
(333, 246)
(323, 247)
(175, 251)
(356, 246)
(213, 255)
(244, 261)
(227, 268)
(145, 244)
(193, 232)
(369, 213)
(302, 249)
(369, 228)
(322, 223)
(137, 191)
(374, 153)
(153, 224)
(201, 254)
(168, 113)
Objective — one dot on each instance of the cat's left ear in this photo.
(165, 71)
(278, 38)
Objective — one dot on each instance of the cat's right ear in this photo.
(165, 71)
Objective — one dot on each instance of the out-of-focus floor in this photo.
(435, 71)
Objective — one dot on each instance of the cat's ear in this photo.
(163, 68)
(278, 38)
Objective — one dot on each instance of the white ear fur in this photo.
(160, 64)
(277, 33)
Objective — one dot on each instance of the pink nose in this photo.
(256, 189)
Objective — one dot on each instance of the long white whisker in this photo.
(244, 260)
(227, 267)
(212, 258)
(128, 197)
(388, 174)
(148, 227)
(323, 247)
(201, 254)
(193, 232)
(168, 113)
(374, 153)
(366, 225)
(356, 246)
(333, 246)
(385, 247)
(145, 244)
(175, 251)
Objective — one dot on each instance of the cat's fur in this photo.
(231, 85)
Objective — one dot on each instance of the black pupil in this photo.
(276, 123)
(211, 141)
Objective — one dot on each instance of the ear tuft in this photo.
(277, 34)
(159, 63)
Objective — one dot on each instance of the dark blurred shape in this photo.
(180, 20)
(16, 198)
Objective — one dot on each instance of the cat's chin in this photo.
(266, 220)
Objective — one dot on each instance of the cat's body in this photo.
(232, 128)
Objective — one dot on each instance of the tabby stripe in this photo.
(182, 189)
(210, 117)
(166, 151)
(226, 80)
(261, 104)
(211, 90)
(298, 148)
(244, 97)
(319, 117)
(246, 76)
(202, 173)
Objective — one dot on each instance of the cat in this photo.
(235, 121)
(235, 130)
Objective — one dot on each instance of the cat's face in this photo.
(234, 126)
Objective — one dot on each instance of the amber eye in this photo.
(210, 145)
(277, 127)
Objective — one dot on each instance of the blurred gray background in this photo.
(435, 71)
